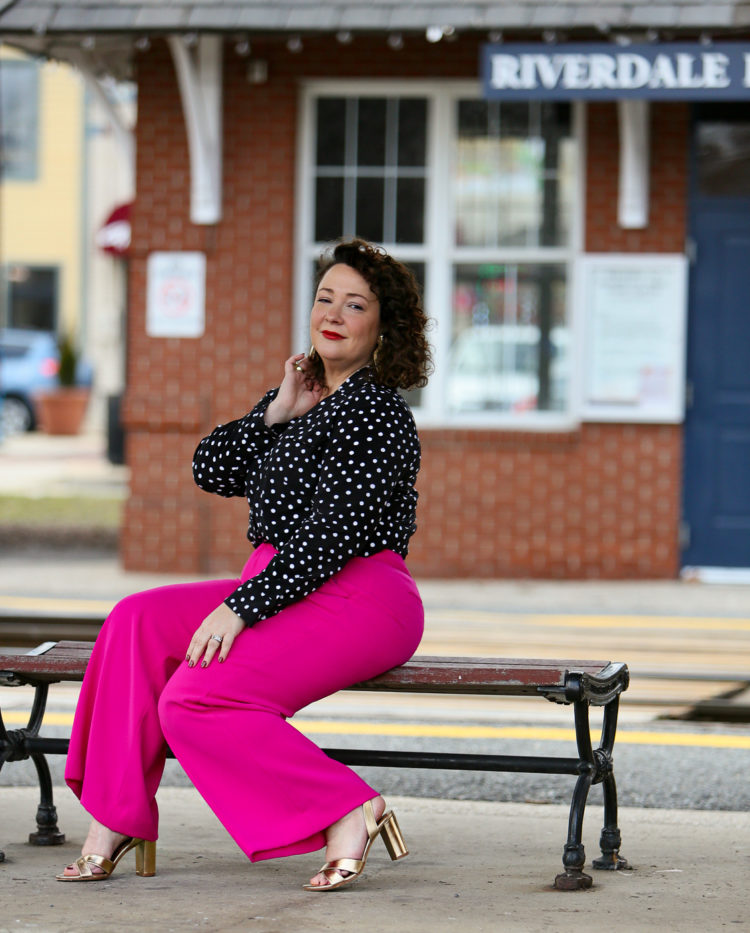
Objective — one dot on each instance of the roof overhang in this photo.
(110, 32)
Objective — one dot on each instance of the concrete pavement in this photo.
(473, 866)
(38, 464)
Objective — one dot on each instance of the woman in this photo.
(328, 462)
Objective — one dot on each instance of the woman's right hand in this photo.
(295, 397)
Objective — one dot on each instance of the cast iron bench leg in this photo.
(3, 759)
(47, 833)
(5, 755)
(15, 744)
(574, 855)
(610, 841)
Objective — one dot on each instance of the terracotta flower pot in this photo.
(61, 411)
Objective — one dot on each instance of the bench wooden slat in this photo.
(67, 660)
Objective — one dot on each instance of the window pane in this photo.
(513, 121)
(472, 118)
(565, 193)
(369, 158)
(370, 208)
(412, 132)
(723, 159)
(509, 347)
(18, 119)
(511, 176)
(414, 396)
(371, 131)
(32, 297)
(331, 131)
(329, 208)
(410, 210)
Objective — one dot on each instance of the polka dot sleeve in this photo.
(220, 460)
(339, 484)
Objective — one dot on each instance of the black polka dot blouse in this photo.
(335, 483)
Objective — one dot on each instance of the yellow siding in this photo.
(42, 218)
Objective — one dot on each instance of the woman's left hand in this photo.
(223, 623)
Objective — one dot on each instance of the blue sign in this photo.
(603, 71)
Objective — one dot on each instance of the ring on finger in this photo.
(218, 638)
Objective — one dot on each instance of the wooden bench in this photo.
(580, 683)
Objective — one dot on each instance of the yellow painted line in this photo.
(544, 733)
(455, 615)
(52, 604)
(50, 719)
(650, 622)
(431, 730)
(596, 621)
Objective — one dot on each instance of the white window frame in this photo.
(438, 253)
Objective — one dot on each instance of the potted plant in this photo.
(61, 410)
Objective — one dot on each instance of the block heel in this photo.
(145, 858)
(343, 871)
(392, 838)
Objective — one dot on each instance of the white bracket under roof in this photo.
(635, 148)
(199, 76)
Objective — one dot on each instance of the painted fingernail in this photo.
(221, 660)
(204, 663)
(191, 663)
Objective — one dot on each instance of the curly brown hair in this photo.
(402, 359)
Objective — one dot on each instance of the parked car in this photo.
(29, 360)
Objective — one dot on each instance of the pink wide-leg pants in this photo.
(273, 789)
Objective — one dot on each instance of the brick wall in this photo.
(601, 501)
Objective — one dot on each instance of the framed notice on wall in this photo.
(634, 309)
(176, 295)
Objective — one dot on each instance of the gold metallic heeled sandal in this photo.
(145, 862)
(386, 827)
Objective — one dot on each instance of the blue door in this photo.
(717, 425)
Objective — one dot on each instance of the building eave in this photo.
(110, 30)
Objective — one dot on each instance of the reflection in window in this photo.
(19, 99)
(515, 174)
(370, 168)
(723, 159)
(510, 344)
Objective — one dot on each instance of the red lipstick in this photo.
(331, 335)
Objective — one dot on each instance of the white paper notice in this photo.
(176, 295)
(634, 337)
